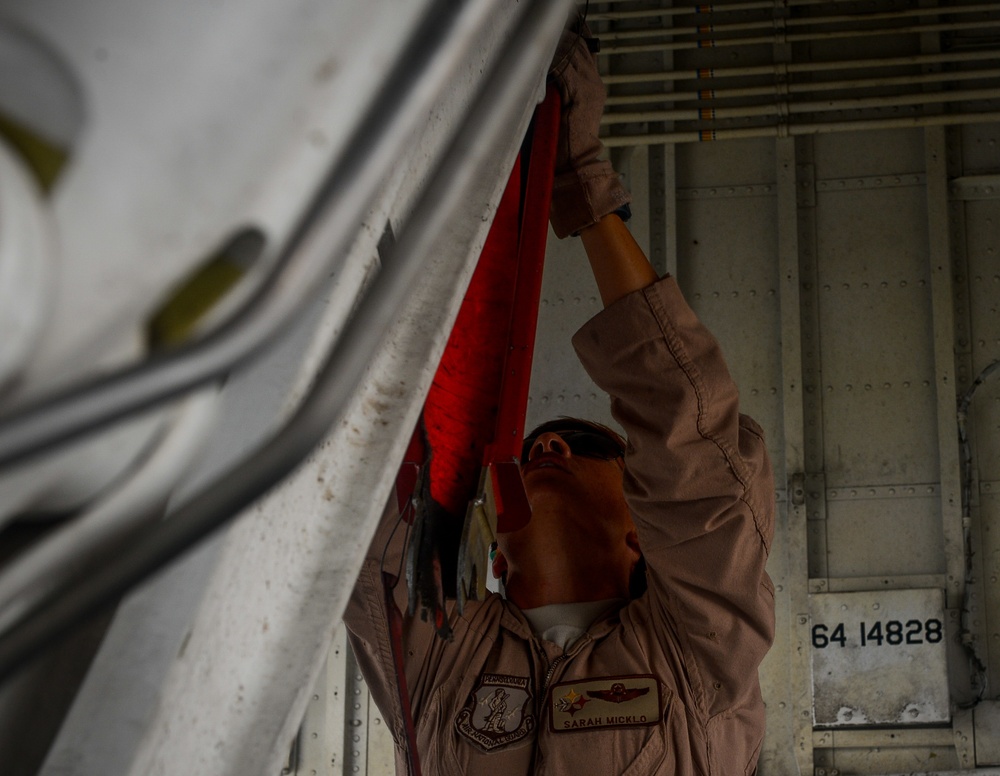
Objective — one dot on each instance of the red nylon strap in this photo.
(506, 447)
(396, 640)
(461, 406)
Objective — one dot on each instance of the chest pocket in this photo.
(498, 713)
(494, 728)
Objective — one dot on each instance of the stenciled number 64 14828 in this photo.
(891, 633)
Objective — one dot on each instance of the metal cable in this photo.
(318, 243)
(116, 568)
(978, 672)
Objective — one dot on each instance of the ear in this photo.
(632, 542)
(499, 565)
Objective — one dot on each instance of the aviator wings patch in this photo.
(618, 693)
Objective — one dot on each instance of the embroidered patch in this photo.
(497, 712)
(616, 701)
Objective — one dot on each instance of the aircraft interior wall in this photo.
(821, 176)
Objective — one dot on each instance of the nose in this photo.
(549, 442)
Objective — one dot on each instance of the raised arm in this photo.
(697, 479)
(619, 264)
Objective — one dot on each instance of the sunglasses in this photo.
(586, 443)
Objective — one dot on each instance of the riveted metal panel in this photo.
(884, 750)
(319, 750)
(982, 232)
(911, 760)
(986, 717)
(980, 148)
(715, 165)
(784, 673)
(878, 658)
(989, 516)
(726, 267)
(858, 537)
(870, 154)
(875, 350)
(982, 225)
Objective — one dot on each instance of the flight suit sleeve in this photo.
(699, 484)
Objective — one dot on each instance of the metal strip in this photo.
(868, 492)
(974, 187)
(784, 129)
(767, 22)
(712, 112)
(942, 314)
(863, 584)
(321, 742)
(874, 182)
(356, 701)
(749, 190)
(796, 37)
(781, 69)
(662, 208)
(883, 738)
(793, 421)
(989, 486)
(770, 89)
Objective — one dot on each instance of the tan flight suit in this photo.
(666, 685)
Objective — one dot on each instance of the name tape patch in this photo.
(617, 701)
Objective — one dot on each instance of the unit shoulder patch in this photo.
(608, 702)
(498, 712)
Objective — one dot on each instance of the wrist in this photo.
(581, 198)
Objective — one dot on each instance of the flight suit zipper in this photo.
(537, 757)
(552, 669)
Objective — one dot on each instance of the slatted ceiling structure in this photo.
(779, 69)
